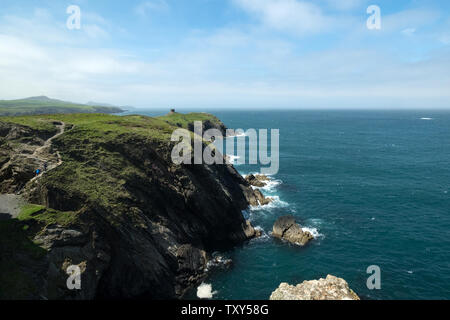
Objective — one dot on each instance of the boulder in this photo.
(250, 231)
(253, 181)
(256, 198)
(331, 288)
(287, 229)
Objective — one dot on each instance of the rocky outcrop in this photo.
(251, 232)
(210, 124)
(256, 198)
(331, 288)
(192, 264)
(258, 181)
(286, 228)
(17, 163)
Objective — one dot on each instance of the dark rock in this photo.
(151, 240)
(192, 265)
(287, 229)
(252, 180)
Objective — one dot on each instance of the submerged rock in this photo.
(287, 229)
(331, 288)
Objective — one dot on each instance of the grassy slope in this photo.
(184, 120)
(93, 170)
(96, 163)
(48, 106)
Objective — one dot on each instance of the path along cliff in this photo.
(112, 203)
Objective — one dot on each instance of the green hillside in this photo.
(44, 105)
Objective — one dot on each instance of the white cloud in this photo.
(299, 17)
(144, 8)
(229, 67)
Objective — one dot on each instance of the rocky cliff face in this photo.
(331, 288)
(136, 224)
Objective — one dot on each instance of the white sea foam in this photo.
(264, 235)
(428, 119)
(276, 203)
(204, 291)
(313, 231)
(271, 185)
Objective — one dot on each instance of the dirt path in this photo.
(42, 153)
(10, 205)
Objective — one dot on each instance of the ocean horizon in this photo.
(371, 186)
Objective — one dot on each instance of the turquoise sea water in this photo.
(376, 187)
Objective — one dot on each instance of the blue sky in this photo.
(229, 53)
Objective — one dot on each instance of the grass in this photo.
(46, 216)
(44, 105)
(32, 122)
(15, 246)
(186, 120)
(100, 154)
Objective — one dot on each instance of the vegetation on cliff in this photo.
(115, 204)
(186, 121)
(44, 105)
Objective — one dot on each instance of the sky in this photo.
(236, 54)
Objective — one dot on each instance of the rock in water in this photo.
(257, 180)
(250, 231)
(287, 229)
(331, 288)
(254, 181)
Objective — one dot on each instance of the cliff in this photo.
(113, 203)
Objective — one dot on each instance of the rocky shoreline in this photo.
(287, 229)
(114, 204)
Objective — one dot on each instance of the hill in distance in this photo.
(45, 105)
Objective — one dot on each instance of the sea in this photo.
(373, 187)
